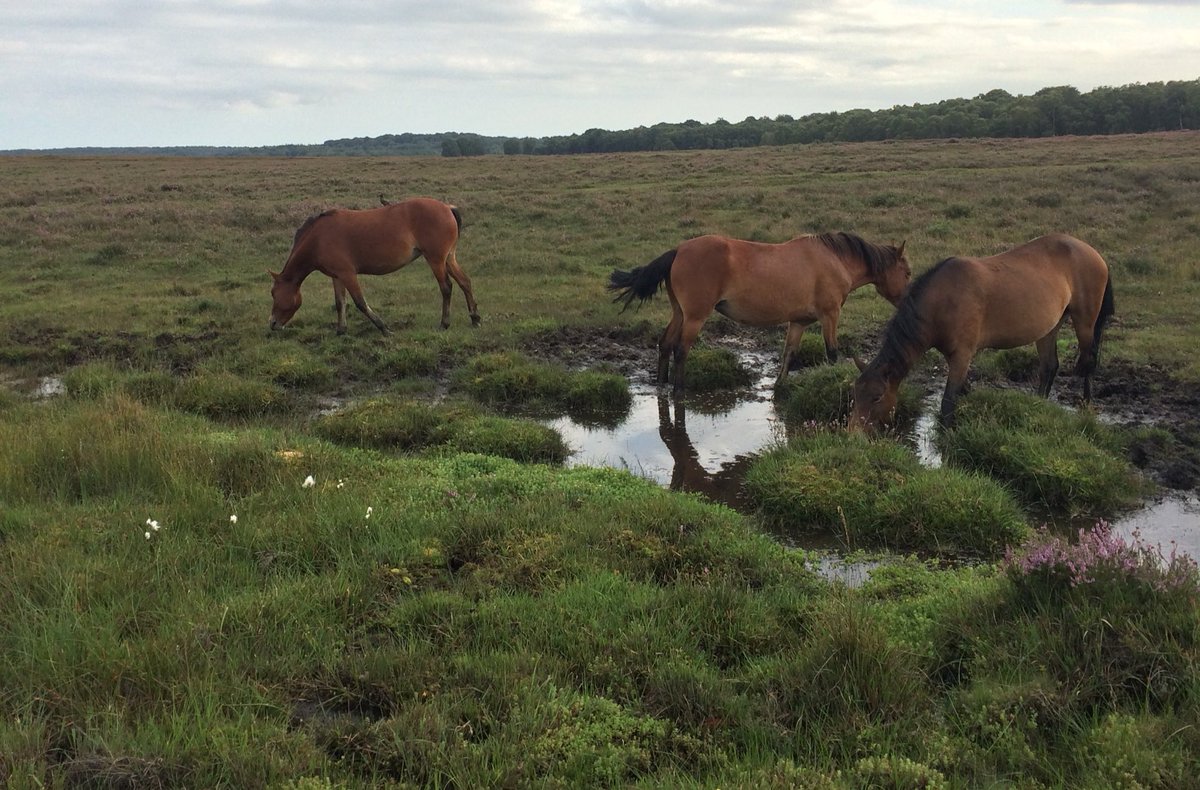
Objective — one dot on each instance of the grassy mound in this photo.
(823, 395)
(875, 493)
(511, 381)
(1056, 461)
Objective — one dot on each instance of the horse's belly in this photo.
(760, 314)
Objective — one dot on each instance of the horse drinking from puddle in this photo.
(961, 305)
(344, 243)
(795, 283)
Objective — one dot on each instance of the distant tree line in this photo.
(1062, 110)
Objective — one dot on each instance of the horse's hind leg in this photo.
(669, 340)
(1047, 349)
(687, 338)
(438, 265)
(464, 282)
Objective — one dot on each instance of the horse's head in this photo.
(893, 281)
(874, 399)
(285, 300)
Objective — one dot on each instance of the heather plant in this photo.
(1100, 558)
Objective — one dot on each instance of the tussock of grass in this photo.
(509, 380)
(1054, 460)
(391, 424)
(875, 493)
(823, 394)
(710, 369)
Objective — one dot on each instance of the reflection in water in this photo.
(696, 451)
(703, 452)
(707, 447)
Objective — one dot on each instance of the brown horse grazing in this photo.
(795, 283)
(344, 243)
(961, 305)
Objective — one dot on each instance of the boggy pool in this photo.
(704, 445)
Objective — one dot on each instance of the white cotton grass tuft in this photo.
(233, 519)
(309, 482)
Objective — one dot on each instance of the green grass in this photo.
(1058, 462)
(873, 493)
(824, 395)
(430, 613)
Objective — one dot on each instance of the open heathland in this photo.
(235, 557)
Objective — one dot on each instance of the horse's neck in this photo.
(296, 269)
(857, 271)
(899, 354)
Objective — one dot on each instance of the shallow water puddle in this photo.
(691, 448)
(1172, 523)
(706, 447)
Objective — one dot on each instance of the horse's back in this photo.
(381, 239)
(1018, 296)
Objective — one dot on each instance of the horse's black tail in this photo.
(642, 282)
(1106, 312)
(457, 217)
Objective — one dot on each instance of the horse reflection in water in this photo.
(687, 473)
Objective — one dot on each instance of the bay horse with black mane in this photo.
(344, 243)
(961, 305)
(796, 283)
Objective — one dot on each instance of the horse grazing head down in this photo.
(874, 399)
(892, 280)
(285, 300)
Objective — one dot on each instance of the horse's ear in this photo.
(274, 276)
(861, 365)
(900, 249)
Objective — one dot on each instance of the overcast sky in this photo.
(263, 72)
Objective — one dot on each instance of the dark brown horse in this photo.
(344, 243)
(961, 305)
(795, 283)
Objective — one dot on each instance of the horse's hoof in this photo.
(476, 320)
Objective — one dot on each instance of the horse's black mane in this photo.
(308, 223)
(877, 257)
(903, 331)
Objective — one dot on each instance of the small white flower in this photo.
(340, 483)
(233, 519)
(369, 510)
(309, 482)
(147, 536)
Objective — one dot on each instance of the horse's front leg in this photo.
(339, 305)
(791, 342)
(360, 301)
(829, 323)
(956, 382)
